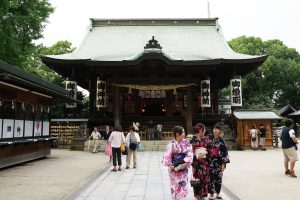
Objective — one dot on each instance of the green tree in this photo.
(34, 64)
(21, 22)
(277, 81)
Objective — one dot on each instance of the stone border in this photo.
(78, 190)
(228, 193)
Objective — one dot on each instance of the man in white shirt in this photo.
(96, 137)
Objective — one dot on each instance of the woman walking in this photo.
(116, 138)
(178, 157)
(218, 160)
(201, 146)
(132, 140)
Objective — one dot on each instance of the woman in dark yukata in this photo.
(201, 162)
(218, 160)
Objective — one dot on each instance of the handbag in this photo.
(125, 152)
(122, 147)
(195, 183)
(178, 158)
(253, 139)
(139, 147)
(108, 150)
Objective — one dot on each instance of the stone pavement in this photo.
(253, 175)
(150, 181)
(52, 178)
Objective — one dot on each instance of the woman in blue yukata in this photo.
(178, 157)
(218, 160)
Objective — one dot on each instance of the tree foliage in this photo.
(277, 81)
(21, 22)
(34, 64)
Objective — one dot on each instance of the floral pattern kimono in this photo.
(179, 179)
(201, 166)
(219, 156)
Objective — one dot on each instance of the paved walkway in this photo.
(52, 178)
(150, 181)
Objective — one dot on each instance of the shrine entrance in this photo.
(154, 107)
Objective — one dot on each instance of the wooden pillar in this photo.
(92, 96)
(137, 103)
(116, 105)
(169, 102)
(189, 111)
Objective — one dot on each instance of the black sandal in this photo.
(113, 170)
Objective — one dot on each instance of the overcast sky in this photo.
(268, 19)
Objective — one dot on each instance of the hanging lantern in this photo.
(236, 91)
(175, 91)
(41, 109)
(23, 106)
(140, 93)
(163, 94)
(129, 91)
(152, 95)
(101, 94)
(33, 109)
(0, 103)
(12, 105)
(48, 109)
(205, 93)
(71, 87)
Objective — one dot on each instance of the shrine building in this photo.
(168, 71)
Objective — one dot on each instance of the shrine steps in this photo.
(153, 145)
(168, 122)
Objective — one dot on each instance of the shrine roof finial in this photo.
(153, 44)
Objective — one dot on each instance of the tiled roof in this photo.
(248, 114)
(180, 39)
(31, 79)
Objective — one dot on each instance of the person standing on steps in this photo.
(96, 137)
(289, 148)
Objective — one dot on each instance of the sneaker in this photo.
(287, 172)
(292, 174)
(127, 167)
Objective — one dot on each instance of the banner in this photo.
(8, 128)
(46, 128)
(37, 128)
(236, 92)
(205, 94)
(28, 128)
(101, 94)
(71, 87)
(19, 128)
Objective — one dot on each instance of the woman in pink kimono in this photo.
(178, 157)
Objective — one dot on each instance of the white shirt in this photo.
(253, 133)
(116, 138)
(138, 139)
(292, 133)
(95, 135)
